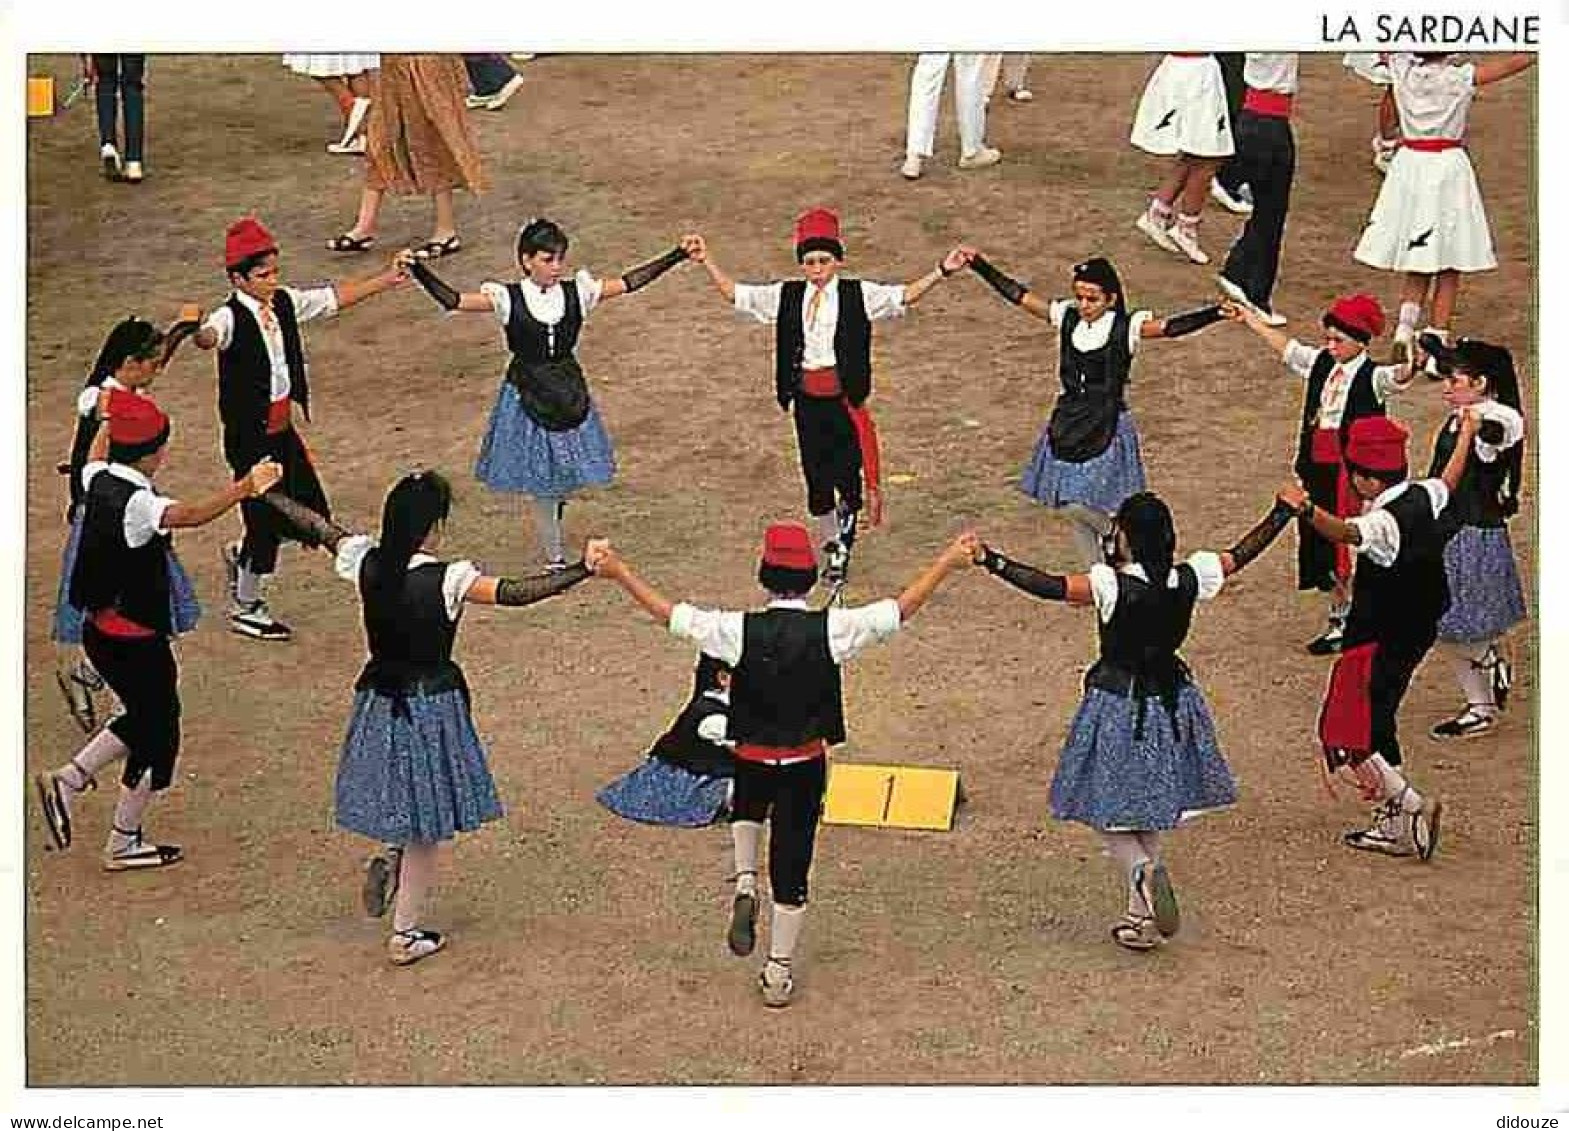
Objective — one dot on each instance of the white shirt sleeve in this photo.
(144, 513)
(760, 300)
(1514, 431)
(1380, 536)
(351, 553)
(1136, 322)
(589, 290)
(1103, 587)
(852, 630)
(313, 302)
(1056, 309)
(882, 300)
(717, 633)
(500, 300)
(221, 322)
(1389, 379)
(1206, 564)
(87, 400)
(1298, 358)
(1437, 494)
(715, 729)
(456, 583)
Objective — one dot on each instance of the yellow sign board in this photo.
(40, 97)
(896, 797)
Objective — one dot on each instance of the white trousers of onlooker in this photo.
(1013, 70)
(969, 97)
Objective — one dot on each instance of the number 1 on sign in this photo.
(887, 796)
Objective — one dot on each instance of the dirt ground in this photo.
(589, 949)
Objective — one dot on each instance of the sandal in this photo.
(1154, 886)
(348, 243)
(1136, 932)
(436, 249)
(405, 948)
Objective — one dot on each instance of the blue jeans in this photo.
(120, 81)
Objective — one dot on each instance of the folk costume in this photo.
(687, 776)
(262, 374)
(786, 709)
(823, 373)
(1399, 594)
(1266, 160)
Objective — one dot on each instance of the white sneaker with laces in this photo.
(1186, 239)
(981, 158)
(1159, 234)
(1389, 834)
(1239, 296)
(778, 989)
(110, 156)
(256, 621)
(1469, 723)
(1223, 197)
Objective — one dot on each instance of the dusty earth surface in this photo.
(588, 949)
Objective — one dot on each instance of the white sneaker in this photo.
(778, 990)
(351, 148)
(981, 158)
(476, 101)
(355, 119)
(133, 173)
(1160, 236)
(1389, 834)
(911, 169)
(256, 621)
(504, 95)
(1187, 241)
(1023, 94)
(1230, 203)
(1239, 296)
(110, 156)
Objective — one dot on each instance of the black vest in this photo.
(1401, 604)
(786, 690)
(109, 574)
(1099, 372)
(1478, 499)
(1361, 401)
(852, 342)
(410, 637)
(245, 379)
(1138, 645)
(682, 746)
(530, 340)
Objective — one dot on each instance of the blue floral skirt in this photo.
(1485, 597)
(184, 608)
(1100, 483)
(1114, 776)
(519, 455)
(414, 775)
(659, 793)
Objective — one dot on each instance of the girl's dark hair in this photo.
(131, 338)
(540, 235)
(1099, 271)
(706, 676)
(1497, 364)
(787, 581)
(1145, 521)
(245, 266)
(415, 504)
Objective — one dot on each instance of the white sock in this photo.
(1410, 315)
(747, 836)
(785, 932)
(415, 875)
(128, 814)
(1128, 851)
(1160, 211)
(247, 586)
(1475, 680)
(827, 527)
(1189, 224)
(547, 525)
(103, 748)
(1394, 785)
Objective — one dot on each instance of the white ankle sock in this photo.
(128, 813)
(247, 586)
(827, 526)
(1395, 786)
(1410, 315)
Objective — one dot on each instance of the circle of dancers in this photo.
(1407, 560)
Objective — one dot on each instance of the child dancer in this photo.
(1141, 754)
(262, 374)
(1343, 385)
(1087, 461)
(1428, 221)
(1398, 596)
(1484, 585)
(121, 578)
(545, 438)
(786, 708)
(133, 354)
(689, 775)
(823, 369)
(412, 772)
(1182, 115)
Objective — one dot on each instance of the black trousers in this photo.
(1393, 666)
(1266, 160)
(143, 675)
(790, 798)
(120, 82)
(1231, 72)
(265, 528)
(830, 454)
(1315, 553)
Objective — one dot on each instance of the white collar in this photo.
(111, 383)
(1351, 365)
(831, 287)
(529, 284)
(131, 475)
(1384, 498)
(250, 303)
(788, 603)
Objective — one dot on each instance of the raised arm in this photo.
(256, 482)
(1236, 312)
(1073, 588)
(950, 264)
(1257, 540)
(655, 603)
(390, 277)
(1334, 529)
(1470, 421)
(315, 530)
(1188, 322)
(186, 325)
(697, 250)
(1008, 287)
(448, 298)
(955, 556)
(1494, 68)
(643, 274)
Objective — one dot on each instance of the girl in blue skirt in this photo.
(545, 438)
(1141, 754)
(412, 772)
(133, 354)
(1486, 599)
(1087, 461)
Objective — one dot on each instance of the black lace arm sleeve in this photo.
(1257, 540)
(444, 295)
(527, 590)
(1037, 583)
(1189, 321)
(314, 530)
(1008, 287)
(645, 273)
